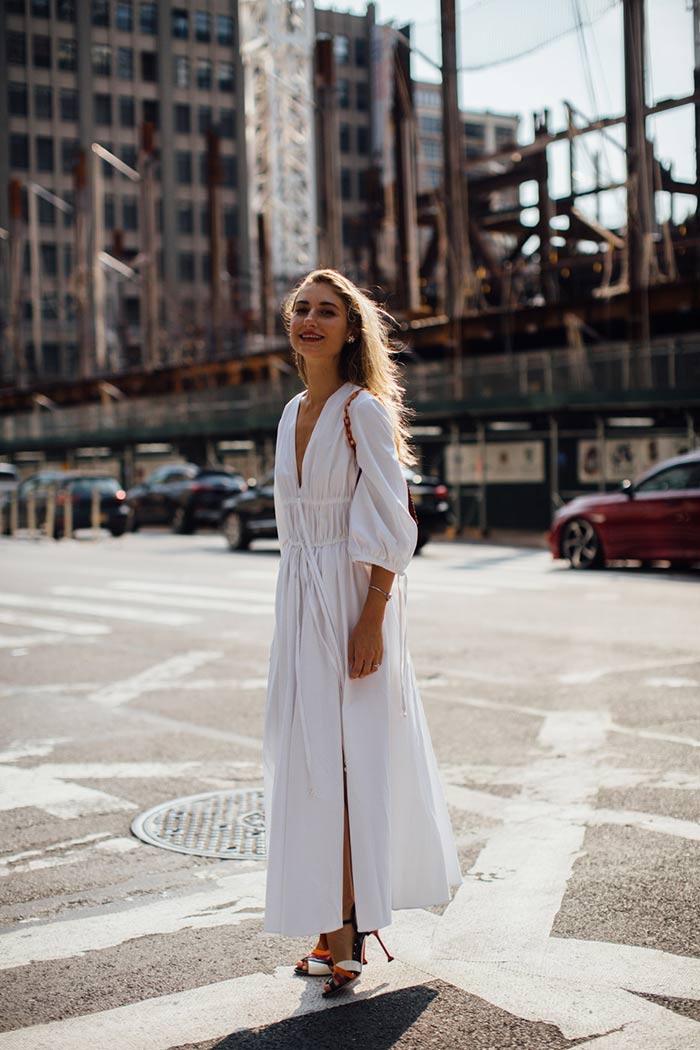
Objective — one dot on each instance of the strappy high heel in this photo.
(319, 963)
(348, 970)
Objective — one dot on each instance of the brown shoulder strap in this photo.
(346, 418)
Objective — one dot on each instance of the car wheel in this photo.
(235, 533)
(580, 545)
(182, 523)
(118, 530)
(132, 522)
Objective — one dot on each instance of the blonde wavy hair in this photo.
(369, 360)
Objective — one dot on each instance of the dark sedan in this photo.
(77, 489)
(183, 496)
(252, 514)
(655, 518)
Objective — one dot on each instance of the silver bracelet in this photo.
(387, 594)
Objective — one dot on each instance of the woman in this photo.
(356, 819)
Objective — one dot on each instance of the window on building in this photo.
(44, 153)
(346, 184)
(65, 10)
(361, 52)
(109, 211)
(130, 213)
(227, 123)
(127, 111)
(430, 125)
(185, 217)
(225, 76)
(43, 102)
(49, 260)
(505, 136)
(17, 99)
(14, 7)
(125, 63)
(103, 109)
(433, 177)
(362, 185)
(341, 49)
(17, 49)
(432, 149)
(68, 55)
(149, 66)
(41, 51)
(204, 119)
(129, 154)
(230, 221)
(101, 60)
(67, 259)
(100, 12)
(426, 99)
(183, 121)
(202, 26)
(46, 212)
(150, 109)
(181, 71)
(148, 18)
(185, 266)
(183, 167)
(472, 130)
(203, 73)
(180, 23)
(224, 30)
(342, 88)
(125, 16)
(345, 138)
(68, 104)
(41, 8)
(69, 155)
(229, 171)
(363, 141)
(362, 95)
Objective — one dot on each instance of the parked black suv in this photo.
(183, 496)
(251, 515)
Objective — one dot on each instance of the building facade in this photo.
(74, 74)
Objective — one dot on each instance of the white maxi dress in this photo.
(332, 528)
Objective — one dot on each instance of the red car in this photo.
(656, 517)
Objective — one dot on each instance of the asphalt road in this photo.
(565, 713)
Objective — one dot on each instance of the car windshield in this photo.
(85, 486)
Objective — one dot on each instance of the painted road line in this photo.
(27, 641)
(9, 866)
(159, 676)
(593, 674)
(208, 1013)
(31, 787)
(196, 591)
(233, 900)
(182, 601)
(110, 612)
(52, 623)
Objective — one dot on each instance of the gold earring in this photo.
(351, 338)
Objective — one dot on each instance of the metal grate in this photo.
(229, 824)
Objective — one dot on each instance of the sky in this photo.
(557, 71)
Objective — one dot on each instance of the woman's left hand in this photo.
(366, 647)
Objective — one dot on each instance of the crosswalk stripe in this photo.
(210, 1012)
(24, 641)
(143, 615)
(52, 623)
(181, 600)
(195, 590)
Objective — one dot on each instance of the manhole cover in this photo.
(227, 824)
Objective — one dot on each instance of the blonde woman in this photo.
(356, 819)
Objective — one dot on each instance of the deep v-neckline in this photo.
(299, 467)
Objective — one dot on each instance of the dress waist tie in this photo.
(324, 624)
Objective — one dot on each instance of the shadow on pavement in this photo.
(377, 1023)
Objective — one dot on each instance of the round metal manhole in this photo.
(229, 824)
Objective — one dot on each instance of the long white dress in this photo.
(332, 528)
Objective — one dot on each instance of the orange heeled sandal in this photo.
(348, 970)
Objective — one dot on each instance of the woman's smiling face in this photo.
(319, 323)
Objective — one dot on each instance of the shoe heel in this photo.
(389, 958)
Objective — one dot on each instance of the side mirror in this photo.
(627, 487)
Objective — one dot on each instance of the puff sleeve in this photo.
(382, 531)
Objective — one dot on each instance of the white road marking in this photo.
(593, 674)
(233, 900)
(143, 770)
(30, 787)
(52, 623)
(110, 612)
(8, 641)
(672, 683)
(182, 601)
(66, 844)
(197, 590)
(9, 866)
(207, 1013)
(157, 677)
